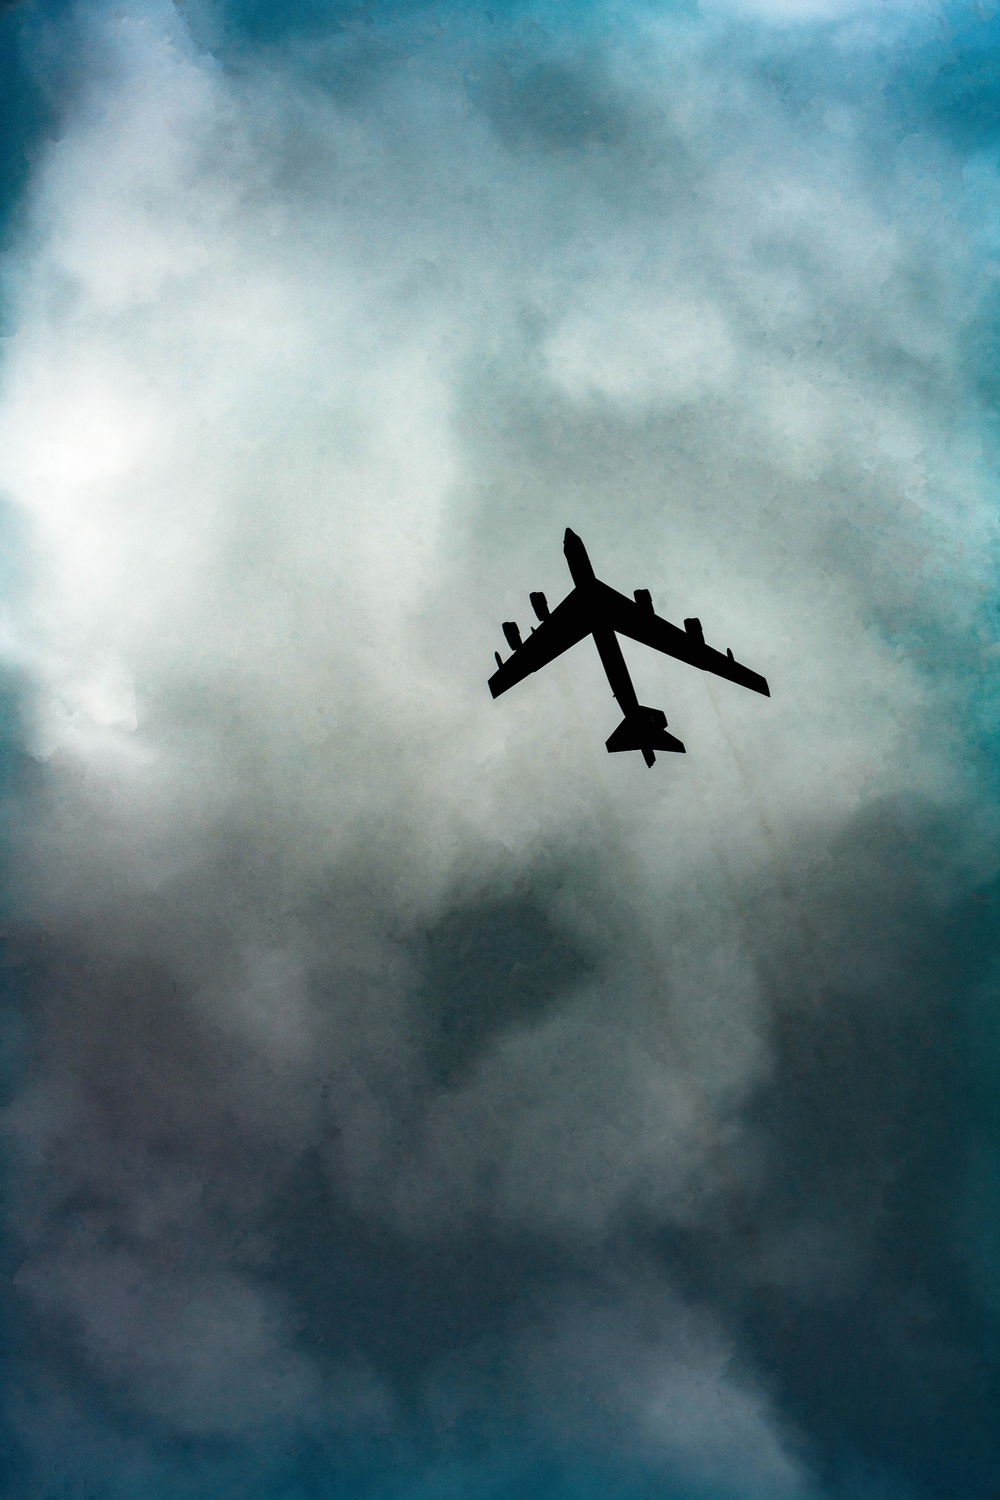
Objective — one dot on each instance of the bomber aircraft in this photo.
(594, 608)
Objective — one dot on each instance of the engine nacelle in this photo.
(540, 605)
(512, 633)
(694, 630)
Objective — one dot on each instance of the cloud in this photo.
(675, 1393)
(416, 1094)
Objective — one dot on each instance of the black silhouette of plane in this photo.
(594, 608)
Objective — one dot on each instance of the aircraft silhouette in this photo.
(594, 608)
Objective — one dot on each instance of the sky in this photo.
(402, 1099)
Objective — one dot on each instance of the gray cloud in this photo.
(409, 1082)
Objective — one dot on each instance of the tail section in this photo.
(645, 730)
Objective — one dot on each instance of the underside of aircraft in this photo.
(594, 608)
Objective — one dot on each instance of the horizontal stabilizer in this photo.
(645, 730)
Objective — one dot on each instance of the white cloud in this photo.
(301, 395)
(643, 350)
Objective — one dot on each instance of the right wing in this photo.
(629, 618)
(568, 623)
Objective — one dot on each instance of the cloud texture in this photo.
(404, 1097)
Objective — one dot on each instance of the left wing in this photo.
(568, 623)
(641, 623)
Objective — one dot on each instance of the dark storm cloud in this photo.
(821, 1249)
(412, 1101)
(25, 115)
(846, 1264)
